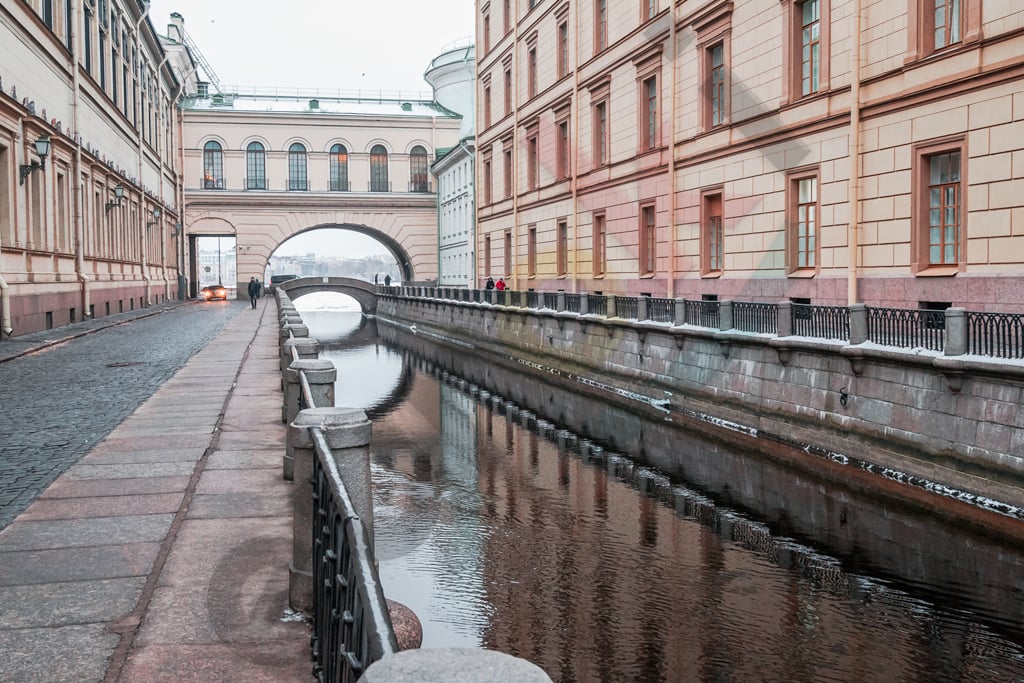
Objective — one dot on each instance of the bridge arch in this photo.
(363, 292)
(393, 246)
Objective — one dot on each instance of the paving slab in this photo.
(249, 662)
(103, 456)
(253, 505)
(241, 482)
(269, 458)
(75, 533)
(76, 564)
(106, 506)
(74, 602)
(131, 470)
(82, 488)
(70, 654)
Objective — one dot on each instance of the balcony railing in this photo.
(422, 186)
(340, 185)
(379, 186)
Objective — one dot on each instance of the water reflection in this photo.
(690, 562)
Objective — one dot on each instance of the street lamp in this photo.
(119, 194)
(42, 146)
(156, 215)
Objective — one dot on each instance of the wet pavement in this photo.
(140, 462)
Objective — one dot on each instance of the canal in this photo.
(604, 545)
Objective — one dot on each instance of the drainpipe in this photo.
(852, 233)
(670, 291)
(5, 307)
(78, 200)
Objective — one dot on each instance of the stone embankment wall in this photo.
(955, 423)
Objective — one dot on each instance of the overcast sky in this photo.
(380, 45)
(330, 44)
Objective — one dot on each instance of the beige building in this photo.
(88, 181)
(706, 149)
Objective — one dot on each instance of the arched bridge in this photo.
(360, 290)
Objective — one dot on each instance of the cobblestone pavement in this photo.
(63, 390)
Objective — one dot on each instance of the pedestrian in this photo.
(490, 283)
(387, 280)
(500, 286)
(254, 291)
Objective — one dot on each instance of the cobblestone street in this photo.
(58, 402)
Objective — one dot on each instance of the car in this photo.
(212, 292)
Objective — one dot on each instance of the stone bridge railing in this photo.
(357, 633)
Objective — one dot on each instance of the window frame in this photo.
(255, 166)
(298, 167)
(647, 239)
(380, 180)
(601, 128)
(562, 32)
(793, 204)
(508, 253)
(533, 156)
(919, 207)
(338, 168)
(648, 10)
(649, 128)
(712, 205)
(532, 79)
(563, 164)
(507, 151)
(213, 165)
(531, 250)
(714, 27)
(921, 36)
(487, 102)
(599, 243)
(508, 90)
(600, 26)
(562, 247)
(792, 45)
(419, 169)
(488, 177)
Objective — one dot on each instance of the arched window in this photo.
(297, 179)
(379, 169)
(255, 167)
(213, 166)
(339, 168)
(418, 178)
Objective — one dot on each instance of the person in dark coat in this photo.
(489, 284)
(387, 280)
(254, 290)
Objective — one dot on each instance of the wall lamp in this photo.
(42, 150)
(119, 194)
(156, 215)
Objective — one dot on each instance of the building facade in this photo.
(88, 179)
(825, 151)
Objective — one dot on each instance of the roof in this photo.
(368, 104)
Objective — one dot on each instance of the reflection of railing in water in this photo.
(990, 576)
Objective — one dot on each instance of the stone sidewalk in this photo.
(163, 554)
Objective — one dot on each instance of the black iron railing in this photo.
(996, 334)
(755, 317)
(532, 299)
(351, 624)
(660, 310)
(626, 307)
(825, 322)
(597, 304)
(906, 327)
(572, 302)
(501, 297)
(701, 313)
(549, 300)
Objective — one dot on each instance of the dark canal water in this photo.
(515, 515)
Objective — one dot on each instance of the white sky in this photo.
(329, 44)
(380, 45)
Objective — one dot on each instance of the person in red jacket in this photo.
(500, 285)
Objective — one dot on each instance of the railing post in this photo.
(858, 323)
(306, 347)
(347, 432)
(679, 312)
(641, 307)
(321, 375)
(955, 343)
(298, 331)
(725, 321)
(584, 303)
(610, 311)
(785, 322)
(560, 300)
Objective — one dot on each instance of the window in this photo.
(712, 233)
(509, 171)
(487, 254)
(87, 37)
(562, 247)
(806, 46)
(601, 132)
(487, 33)
(648, 8)
(48, 13)
(563, 49)
(255, 167)
(716, 80)
(103, 60)
(600, 241)
(802, 221)
(531, 251)
(938, 209)
(562, 149)
(339, 168)
(507, 16)
(297, 178)
(487, 105)
(508, 91)
(488, 179)
(508, 253)
(213, 166)
(419, 180)
(531, 65)
(942, 24)
(646, 255)
(532, 160)
(600, 25)
(649, 115)
(379, 169)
